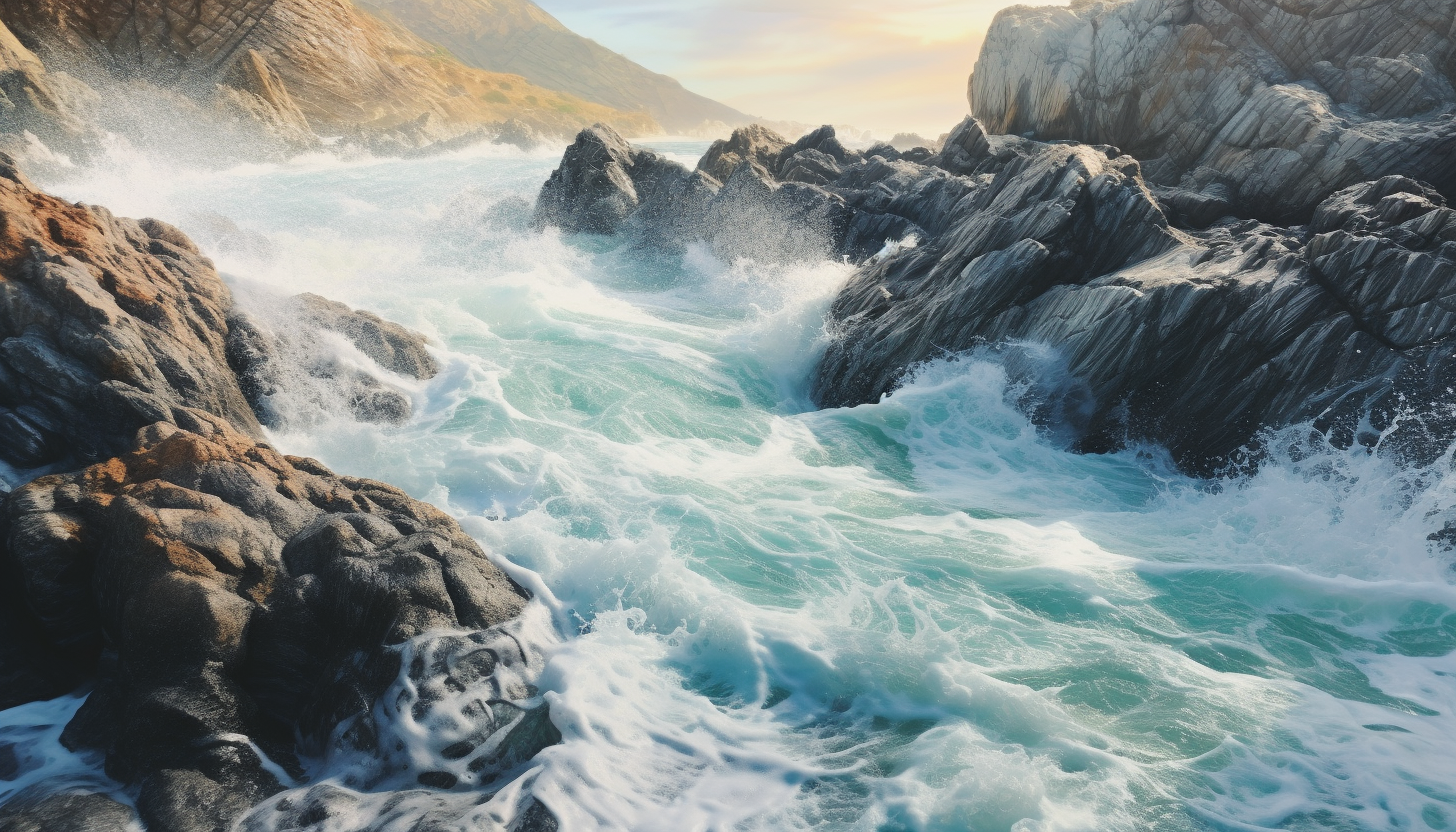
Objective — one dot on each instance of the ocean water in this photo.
(917, 614)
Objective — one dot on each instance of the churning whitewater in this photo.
(919, 614)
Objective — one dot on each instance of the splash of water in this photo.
(919, 614)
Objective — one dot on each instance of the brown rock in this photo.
(234, 594)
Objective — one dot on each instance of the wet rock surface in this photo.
(1278, 103)
(107, 325)
(287, 356)
(1146, 313)
(70, 810)
(228, 598)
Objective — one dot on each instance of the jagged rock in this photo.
(106, 325)
(754, 143)
(779, 201)
(68, 810)
(1169, 319)
(1195, 341)
(1286, 101)
(227, 603)
(231, 599)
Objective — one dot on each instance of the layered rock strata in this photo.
(230, 607)
(1193, 338)
(1274, 104)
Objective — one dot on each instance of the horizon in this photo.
(887, 71)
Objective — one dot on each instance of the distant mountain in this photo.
(518, 36)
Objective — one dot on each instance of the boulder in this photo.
(1285, 99)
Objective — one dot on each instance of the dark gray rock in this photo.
(1194, 341)
(1160, 315)
(68, 811)
(752, 195)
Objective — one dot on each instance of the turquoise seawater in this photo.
(917, 614)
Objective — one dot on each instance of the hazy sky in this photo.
(886, 65)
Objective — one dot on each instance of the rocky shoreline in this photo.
(1191, 295)
(227, 606)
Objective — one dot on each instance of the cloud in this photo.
(881, 66)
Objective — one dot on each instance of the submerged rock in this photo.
(1280, 101)
(288, 358)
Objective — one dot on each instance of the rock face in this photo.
(231, 606)
(1150, 328)
(234, 596)
(107, 325)
(66, 810)
(295, 66)
(519, 37)
(1273, 103)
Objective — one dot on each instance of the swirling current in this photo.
(918, 614)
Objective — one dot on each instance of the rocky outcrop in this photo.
(295, 67)
(66, 810)
(519, 37)
(755, 194)
(1273, 104)
(107, 325)
(1142, 313)
(230, 606)
(228, 598)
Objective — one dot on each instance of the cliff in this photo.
(519, 37)
(1270, 104)
(228, 606)
(309, 66)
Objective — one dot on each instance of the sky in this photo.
(882, 65)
